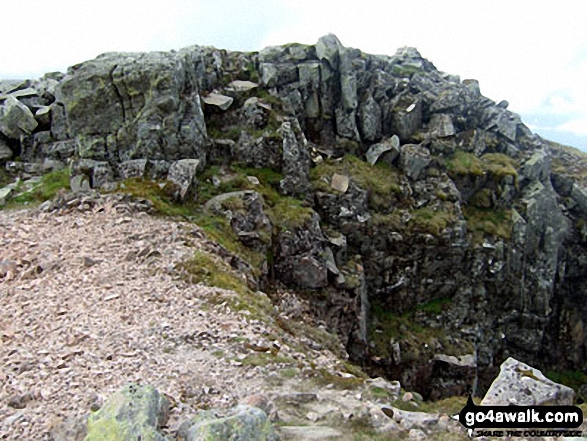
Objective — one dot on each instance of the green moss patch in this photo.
(493, 222)
(572, 379)
(380, 180)
(159, 195)
(288, 213)
(425, 220)
(464, 163)
(44, 190)
(499, 165)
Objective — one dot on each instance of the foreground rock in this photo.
(135, 412)
(521, 385)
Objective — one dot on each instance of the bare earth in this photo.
(90, 301)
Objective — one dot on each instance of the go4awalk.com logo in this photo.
(520, 420)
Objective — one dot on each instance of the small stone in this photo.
(253, 180)
(222, 102)
(88, 261)
(408, 396)
(340, 182)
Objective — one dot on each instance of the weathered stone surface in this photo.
(182, 176)
(522, 385)
(346, 125)
(5, 151)
(414, 159)
(242, 86)
(441, 125)
(328, 48)
(80, 184)
(5, 194)
(298, 254)
(99, 173)
(135, 168)
(134, 412)
(309, 433)
(407, 117)
(16, 119)
(242, 423)
(296, 160)
(537, 167)
(135, 98)
(388, 150)
(340, 182)
(370, 119)
(218, 100)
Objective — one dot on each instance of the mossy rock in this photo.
(134, 412)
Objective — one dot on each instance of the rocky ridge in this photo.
(423, 222)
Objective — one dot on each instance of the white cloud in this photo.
(576, 126)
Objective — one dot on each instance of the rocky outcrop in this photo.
(427, 219)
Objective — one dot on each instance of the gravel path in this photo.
(90, 301)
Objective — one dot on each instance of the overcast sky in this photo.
(531, 53)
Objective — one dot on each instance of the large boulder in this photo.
(16, 119)
(182, 178)
(134, 412)
(146, 103)
(328, 49)
(522, 385)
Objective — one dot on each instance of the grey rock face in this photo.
(135, 99)
(407, 118)
(328, 49)
(5, 151)
(98, 173)
(441, 125)
(16, 119)
(414, 159)
(299, 251)
(521, 385)
(135, 168)
(296, 160)
(134, 412)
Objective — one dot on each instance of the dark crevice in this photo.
(117, 92)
